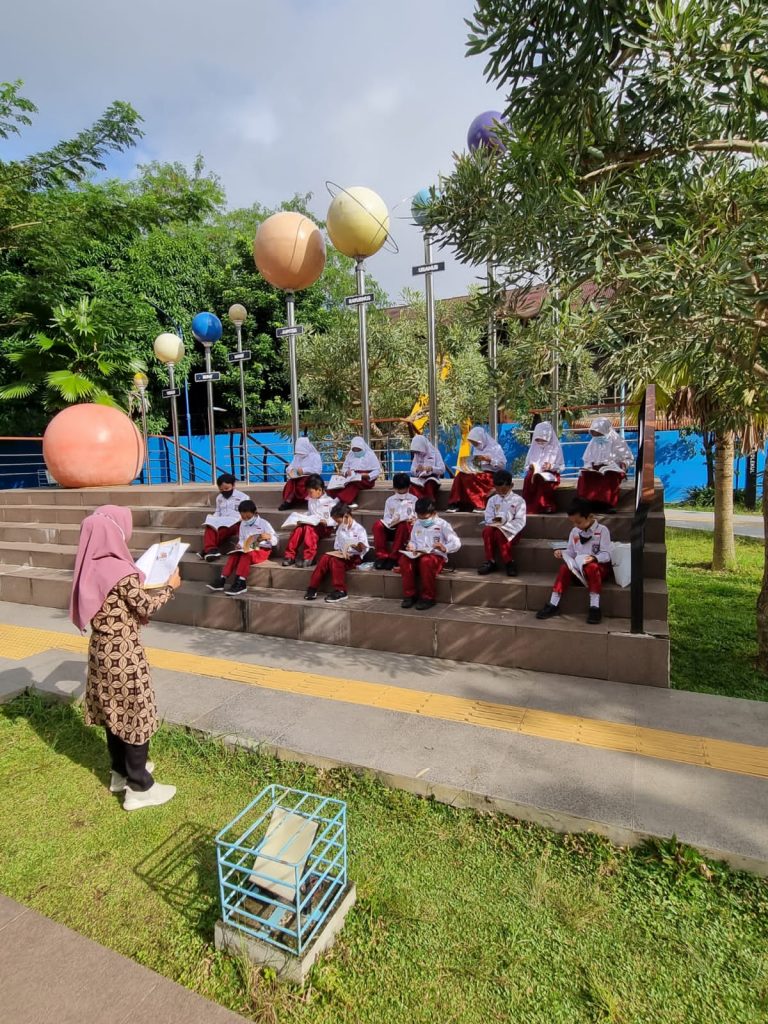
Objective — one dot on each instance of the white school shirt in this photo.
(545, 447)
(510, 508)
(352, 534)
(367, 463)
(228, 506)
(321, 507)
(427, 459)
(608, 447)
(255, 526)
(423, 538)
(598, 544)
(400, 507)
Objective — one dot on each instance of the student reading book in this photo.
(587, 557)
(349, 546)
(543, 465)
(306, 462)
(309, 528)
(425, 555)
(393, 531)
(504, 521)
(256, 539)
(427, 467)
(359, 472)
(606, 459)
(474, 479)
(225, 521)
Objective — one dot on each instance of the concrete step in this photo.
(462, 587)
(466, 524)
(532, 555)
(490, 636)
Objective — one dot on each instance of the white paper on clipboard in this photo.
(160, 561)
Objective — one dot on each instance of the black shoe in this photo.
(594, 616)
(390, 564)
(218, 584)
(511, 568)
(337, 595)
(307, 563)
(238, 587)
(486, 568)
(300, 563)
(548, 611)
(284, 507)
(380, 563)
(311, 594)
(424, 604)
(212, 556)
(408, 602)
(289, 561)
(453, 508)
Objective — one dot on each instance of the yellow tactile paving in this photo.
(19, 642)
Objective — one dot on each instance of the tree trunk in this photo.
(724, 547)
(762, 597)
(709, 455)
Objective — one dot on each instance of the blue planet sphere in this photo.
(482, 131)
(421, 203)
(206, 327)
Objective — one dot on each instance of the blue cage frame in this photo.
(318, 884)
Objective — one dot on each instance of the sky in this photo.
(280, 96)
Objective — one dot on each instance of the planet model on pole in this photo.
(289, 251)
(89, 445)
(168, 348)
(483, 131)
(358, 222)
(421, 204)
(206, 327)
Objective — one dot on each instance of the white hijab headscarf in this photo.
(607, 447)
(426, 454)
(545, 447)
(368, 463)
(306, 459)
(484, 444)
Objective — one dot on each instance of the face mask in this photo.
(228, 493)
(358, 455)
(600, 441)
(427, 523)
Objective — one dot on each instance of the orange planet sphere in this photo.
(92, 446)
(289, 251)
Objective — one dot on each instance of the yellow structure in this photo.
(358, 222)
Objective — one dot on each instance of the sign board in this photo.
(359, 300)
(171, 392)
(288, 332)
(428, 268)
(239, 357)
(201, 378)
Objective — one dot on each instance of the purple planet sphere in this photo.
(482, 131)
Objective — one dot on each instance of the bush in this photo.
(704, 497)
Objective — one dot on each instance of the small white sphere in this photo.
(169, 348)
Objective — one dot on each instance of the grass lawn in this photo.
(460, 918)
(712, 617)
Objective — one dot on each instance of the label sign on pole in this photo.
(239, 357)
(359, 300)
(201, 378)
(289, 332)
(171, 392)
(428, 268)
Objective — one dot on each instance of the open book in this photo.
(545, 474)
(217, 522)
(338, 481)
(413, 554)
(505, 527)
(160, 561)
(419, 481)
(608, 467)
(471, 465)
(576, 566)
(302, 519)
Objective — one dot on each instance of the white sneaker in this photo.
(117, 782)
(152, 797)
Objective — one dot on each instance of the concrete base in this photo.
(287, 967)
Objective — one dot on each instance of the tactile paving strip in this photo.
(19, 642)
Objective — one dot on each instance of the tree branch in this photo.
(705, 146)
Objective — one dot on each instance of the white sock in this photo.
(594, 600)
(554, 598)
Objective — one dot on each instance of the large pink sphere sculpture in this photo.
(289, 251)
(92, 446)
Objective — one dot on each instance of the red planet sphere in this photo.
(92, 446)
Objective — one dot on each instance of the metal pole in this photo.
(493, 411)
(622, 411)
(429, 295)
(211, 426)
(246, 468)
(555, 391)
(362, 324)
(290, 317)
(175, 425)
(144, 431)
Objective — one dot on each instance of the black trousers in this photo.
(130, 760)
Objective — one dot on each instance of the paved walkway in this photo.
(628, 761)
(743, 525)
(50, 973)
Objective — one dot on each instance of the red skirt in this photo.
(601, 488)
(471, 489)
(539, 494)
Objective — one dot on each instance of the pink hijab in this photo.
(103, 559)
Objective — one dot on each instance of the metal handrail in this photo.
(645, 491)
